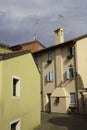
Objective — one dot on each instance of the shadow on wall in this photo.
(79, 82)
(70, 122)
(66, 81)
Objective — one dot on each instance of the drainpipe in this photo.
(42, 94)
(76, 74)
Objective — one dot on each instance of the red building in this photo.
(33, 46)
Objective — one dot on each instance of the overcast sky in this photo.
(20, 20)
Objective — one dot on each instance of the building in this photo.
(63, 69)
(19, 92)
(33, 46)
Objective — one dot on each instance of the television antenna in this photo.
(59, 17)
(36, 28)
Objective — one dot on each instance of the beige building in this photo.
(63, 69)
(19, 92)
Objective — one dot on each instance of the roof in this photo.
(12, 55)
(69, 42)
(60, 92)
(31, 42)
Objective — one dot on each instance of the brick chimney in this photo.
(59, 36)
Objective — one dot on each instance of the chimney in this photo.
(59, 36)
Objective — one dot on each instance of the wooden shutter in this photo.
(67, 73)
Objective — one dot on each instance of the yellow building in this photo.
(63, 70)
(19, 92)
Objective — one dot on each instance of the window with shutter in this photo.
(70, 72)
(50, 76)
(48, 79)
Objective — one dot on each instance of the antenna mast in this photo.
(36, 28)
(60, 17)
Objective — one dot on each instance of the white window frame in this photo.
(17, 87)
(18, 127)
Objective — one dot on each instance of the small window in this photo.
(70, 52)
(49, 56)
(72, 98)
(15, 125)
(50, 76)
(16, 87)
(56, 102)
(70, 73)
(36, 60)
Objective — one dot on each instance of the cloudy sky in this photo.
(20, 20)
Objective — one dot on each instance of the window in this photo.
(72, 98)
(16, 86)
(15, 125)
(50, 76)
(56, 102)
(36, 60)
(70, 52)
(49, 56)
(70, 73)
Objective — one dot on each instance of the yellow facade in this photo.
(25, 107)
(81, 66)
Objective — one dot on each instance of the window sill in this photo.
(15, 97)
(71, 79)
(49, 61)
(69, 56)
(49, 81)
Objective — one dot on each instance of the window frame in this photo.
(18, 125)
(17, 91)
(70, 51)
(50, 56)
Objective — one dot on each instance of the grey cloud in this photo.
(17, 19)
